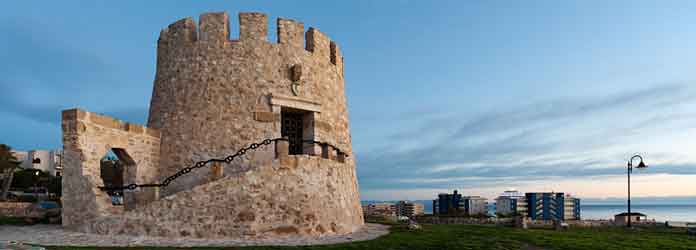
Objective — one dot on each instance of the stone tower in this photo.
(212, 96)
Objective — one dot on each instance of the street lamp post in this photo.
(629, 170)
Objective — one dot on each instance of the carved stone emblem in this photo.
(296, 77)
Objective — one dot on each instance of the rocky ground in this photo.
(54, 235)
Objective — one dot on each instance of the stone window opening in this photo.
(298, 126)
(117, 168)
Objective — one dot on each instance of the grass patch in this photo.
(496, 237)
(12, 221)
(21, 221)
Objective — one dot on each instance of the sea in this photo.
(659, 212)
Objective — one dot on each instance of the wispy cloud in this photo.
(595, 187)
(562, 138)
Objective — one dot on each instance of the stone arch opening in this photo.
(117, 168)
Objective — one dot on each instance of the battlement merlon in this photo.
(253, 27)
(214, 27)
(336, 56)
(182, 31)
(290, 32)
(318, 43)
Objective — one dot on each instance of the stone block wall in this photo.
(286, 197)
(14, 209)
(86, 139)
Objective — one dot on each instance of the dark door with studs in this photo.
(292, 128)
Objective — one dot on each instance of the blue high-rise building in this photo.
(456, 204)
(447, 203)
(576, 208)
(552, 206)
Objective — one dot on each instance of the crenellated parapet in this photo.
(214, 27)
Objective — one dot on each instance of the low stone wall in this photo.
(461, 220)
(572, 223)
(608, 223)
(54, 235)
(13, 209)
(294, 196)
(429, 219)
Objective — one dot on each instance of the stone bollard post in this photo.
(217, 171)
(325, 151)
(341, 157)
(282, 148)
(333, 153)
(146, 195)
(155, 193)
(140, 196)
(129, 199)
(317, 150)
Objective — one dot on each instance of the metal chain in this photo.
(200, 164)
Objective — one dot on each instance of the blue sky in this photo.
(469, 95)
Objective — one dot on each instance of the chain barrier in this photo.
(200, 164)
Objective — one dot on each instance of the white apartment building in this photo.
(474, 205)
(510, 204)
(50, 161)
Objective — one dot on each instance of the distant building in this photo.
(379, 209)
(447, 203)
(552, 206)
(511, 203)
(456, 204)
(474, 206)
(571, 208)
(409, 209)
(45, 160)
(622, 218)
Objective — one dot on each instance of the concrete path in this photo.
(54, 235)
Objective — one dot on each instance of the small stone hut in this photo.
(622, 218)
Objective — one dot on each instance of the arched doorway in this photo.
(117, 168)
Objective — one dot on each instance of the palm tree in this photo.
(8, 164)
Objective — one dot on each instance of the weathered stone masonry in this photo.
(86, 139)
(212, 96)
